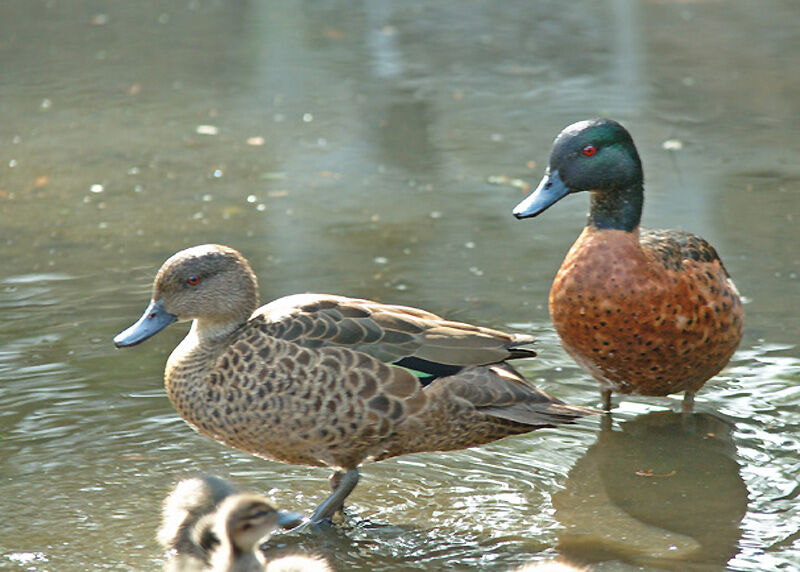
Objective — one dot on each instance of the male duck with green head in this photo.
(651, 312)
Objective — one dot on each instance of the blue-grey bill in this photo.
(154, 319)
(550, 190)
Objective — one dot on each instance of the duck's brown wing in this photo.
(673, 248)
(403, 335)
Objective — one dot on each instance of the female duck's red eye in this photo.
(193, 280)
(589, 150)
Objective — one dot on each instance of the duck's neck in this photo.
(617, 210)
(212, 333)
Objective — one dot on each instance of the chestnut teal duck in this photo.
(650, 312)
(323, 380)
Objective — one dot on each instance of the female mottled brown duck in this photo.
(325, 380)
(651, 312)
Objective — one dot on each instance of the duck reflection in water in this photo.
(664, 491)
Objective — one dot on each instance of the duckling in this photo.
(650, 312)
(240, 523)
(325, 380)
(187, 504)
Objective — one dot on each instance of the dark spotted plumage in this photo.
(673, 248)
(643, 311)
(312, 379)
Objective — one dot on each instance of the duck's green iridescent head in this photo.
(597, 155)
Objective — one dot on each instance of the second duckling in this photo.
(240, 524)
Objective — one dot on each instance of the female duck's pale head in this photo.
(209, 283)
(596, 155)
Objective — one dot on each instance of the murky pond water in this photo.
(372, 149)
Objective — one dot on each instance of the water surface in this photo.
(376, 150)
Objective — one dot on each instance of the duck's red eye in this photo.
(194, 280)
(589, 150)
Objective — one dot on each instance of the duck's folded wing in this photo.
(673, 248)
(393, 334)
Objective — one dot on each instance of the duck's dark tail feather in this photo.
(538, 415)
(501, 391)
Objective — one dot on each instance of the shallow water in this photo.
(374, 150)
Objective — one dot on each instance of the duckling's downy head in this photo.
(209, 283)
(245, 519)
(595, 155)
